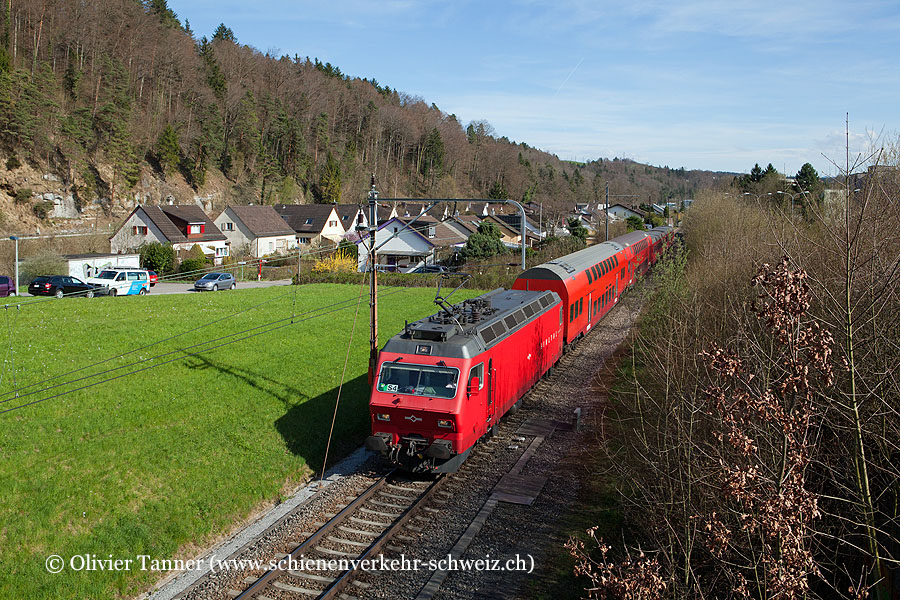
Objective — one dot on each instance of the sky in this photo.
(707, 84)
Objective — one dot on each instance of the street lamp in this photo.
(16, 240)
(792, 196)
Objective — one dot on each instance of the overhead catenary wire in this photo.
(337, 400)
(143, 347)
(272, 326)
(10, 355)
(151, 344)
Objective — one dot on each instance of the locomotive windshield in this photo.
(418, 380)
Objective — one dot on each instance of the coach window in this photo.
(571, 313)
(590, 279)
(580, 306)
(477, 371)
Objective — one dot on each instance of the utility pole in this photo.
(373, 283)
(16, 240)
(607, 206)
(299, 254)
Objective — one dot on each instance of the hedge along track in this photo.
(357, 533)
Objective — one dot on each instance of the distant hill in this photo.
(122, 103)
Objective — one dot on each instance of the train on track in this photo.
(446, 380)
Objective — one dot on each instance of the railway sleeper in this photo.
(338, 540)
(311, 577)
(362, 532)
(331, 552)
(370, 523)
(379, 513)
(396, 496)
(387, 504)
(403, 488)
(296, 590)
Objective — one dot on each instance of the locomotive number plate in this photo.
(391, 387)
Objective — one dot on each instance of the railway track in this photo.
(350, 538)
(389, 513)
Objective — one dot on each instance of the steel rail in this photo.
(339, 584)
(310, 542)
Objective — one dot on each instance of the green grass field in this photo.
(163, 461)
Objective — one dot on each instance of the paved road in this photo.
(188, 288)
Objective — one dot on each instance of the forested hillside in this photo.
(116, 97)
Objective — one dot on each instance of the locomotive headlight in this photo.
(445, 423)
(383, 416)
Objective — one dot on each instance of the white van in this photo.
(122, 282)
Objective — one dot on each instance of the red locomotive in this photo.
(446, 380)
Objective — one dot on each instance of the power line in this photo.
(272, 326)
(150, 345)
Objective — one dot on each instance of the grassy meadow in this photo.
(162, 461)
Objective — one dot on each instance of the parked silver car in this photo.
(215, 282)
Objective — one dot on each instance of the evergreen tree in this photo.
(223, 33)
(634, 223)
(433, 155)
(756, 173)
(330, 182)
(807, 178)
(577, 230)
(168, 151)
(166, 15)
(214, 77)
(486, 243)
(498, 191)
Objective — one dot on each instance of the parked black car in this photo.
(62, 285)
(7, 287)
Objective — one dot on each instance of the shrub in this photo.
(42, 209)
(13, 163)
(23, 196)
(158, 257)
(193, 264)
(339, 262)
(349, 248)
(45, 263)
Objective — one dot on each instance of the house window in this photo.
(139, 230)
(195, 229)
(332, 223)
(271, 247)
(303, 240)
(221, 251)
(227, 226)
(309, 221)
(431, 230)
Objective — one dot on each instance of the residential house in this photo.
(313, 224)
(258, 228)
(400, 248)
(352, 215)
(660, 209)
(622, 212)
(532, 231)
(183, 226)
